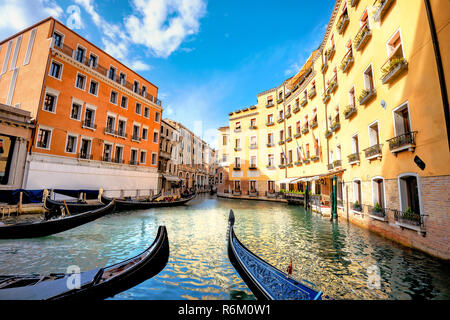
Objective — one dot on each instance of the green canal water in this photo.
(336, 257)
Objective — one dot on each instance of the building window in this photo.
(351, 95)
(80, 82)
(50, 102)
(271, 186)
(402, 123)
(89, 117)
(93, 60)
(75, 112)
(357, 194)
(133, 157)
(253, 122)
(378, 192)
(118, 156)
(144, 133)
(43, 139)
(154, 158)
(56, 70)
(298, 127)
(136, 130)
(409, 194)
(238, 143)
(144, 91)
(112, 73)
(355, 144)
(71, 144)
(147, 112)
(124, 102)
(79, 54)
(281, 135)
(224, 140)
(289, 132)
(155, 136)
(374, 138)
(143, 157)
(85, 149)
(138, 108)
(107, 152)
(58, 39)
(122, 78)
(270, 138)
(136, 87)
(121, 128)
(157, 116)
(270, 118)
(290, 156)
(368, 79)
(93, 88)
(110, 124)
(237, 162)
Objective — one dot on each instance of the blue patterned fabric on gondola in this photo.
(274, 282)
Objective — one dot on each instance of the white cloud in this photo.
(16, 15)
(162, 25)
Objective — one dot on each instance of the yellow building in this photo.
(368, 110)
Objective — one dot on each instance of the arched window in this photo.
(409, 193)
(378, 192)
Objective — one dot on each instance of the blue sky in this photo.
(207, 57)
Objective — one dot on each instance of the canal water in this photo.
(339, 258)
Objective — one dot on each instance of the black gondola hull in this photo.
(49, 227)
(94, 285)
(129, 205)
(74, 207)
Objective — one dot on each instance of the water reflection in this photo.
(334, 256)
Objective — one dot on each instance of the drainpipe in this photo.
(440, 68)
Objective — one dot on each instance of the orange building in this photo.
(97, 121)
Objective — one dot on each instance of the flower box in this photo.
(342, 23)
(393, 69)
(383, 6)
(349, 111)
(362, 37)
(366, 96)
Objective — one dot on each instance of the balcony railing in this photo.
(403, 142)
(270, 145)
(392, 68)
(280, 100)
(134, 162)
(305, 129)
(377, 211)
(373, 152)
(330, 166)
(313, 124)
(342, 23)
(237, 130)
(312, 92)
(366, 96)
(288, 115)
(315, 158)
(353, 3)
(330, 53)
(253, 127)
(269, 104)
(136, 138)
(88, 124)
(298, 135)
(253, 146)
(337, 163)
(353, 158)
(68, 51)
(304, 101)
(332, 85)
(383, 6)
(107, 159)
(253, 167)
(347, 61)
(328, 134)
(121, 133)
(281, 142)
(280, 119)
(237, 168)
(270, 123)
(349, 111)
(409, 218)
(85, 156)
(335, 125)
(326, 97)
(118, 160)
(362, 36)
(296, 109)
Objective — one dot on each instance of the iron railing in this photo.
(402, 140)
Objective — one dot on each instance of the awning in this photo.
(171, 178)
(292, 82)
(322, 176)
(287, 181)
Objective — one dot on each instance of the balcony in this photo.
(313, 124)
(347, 61)
(383, 7)
(312, 92)
(253, 167)
(269, 104)
(409, 220)
(362, 37)
(237, 149)
(298, 163)
(270, 167)
(84, 156)
(121, 134)
(297, 135)
(253, 127)
(326, 98)
(280, 119)
(281, 142)
(288, 115)
(290, 165)
(237, 130)
(136, 138)
(304, 101)
(88, 124)
(328, 134)
(329, 54)
(253, 146)
(342, 23)
(337, 164)
(315, 158)
(133, 162)
(107, 159)
(404, 142)
(270, 123)
(282, 166)
(353, 3)
(289, 139)
(306, 161)
(280, 100)
(330, 167)
(296, 110)
(392, 68)
(164, 154)
(353, 159)
(335, 125)
(102, 71)
(349, 111)
(269, 145)
(305, 129)
(374, 152)
(357, 207)
(118, 160)
(324, 66)
(110, 131)
(237, 192)
(288, 94)
(237, 168)
(377, 213)
(333, 85)
(366, 96)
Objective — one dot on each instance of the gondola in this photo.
(48, 227)
(264, 280)
(132, 204)
(74, 207)
(95, 284)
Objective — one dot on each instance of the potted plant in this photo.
(378, 208)
(357, 206)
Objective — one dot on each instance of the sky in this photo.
(207, 57)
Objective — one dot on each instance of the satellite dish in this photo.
(383, 104)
